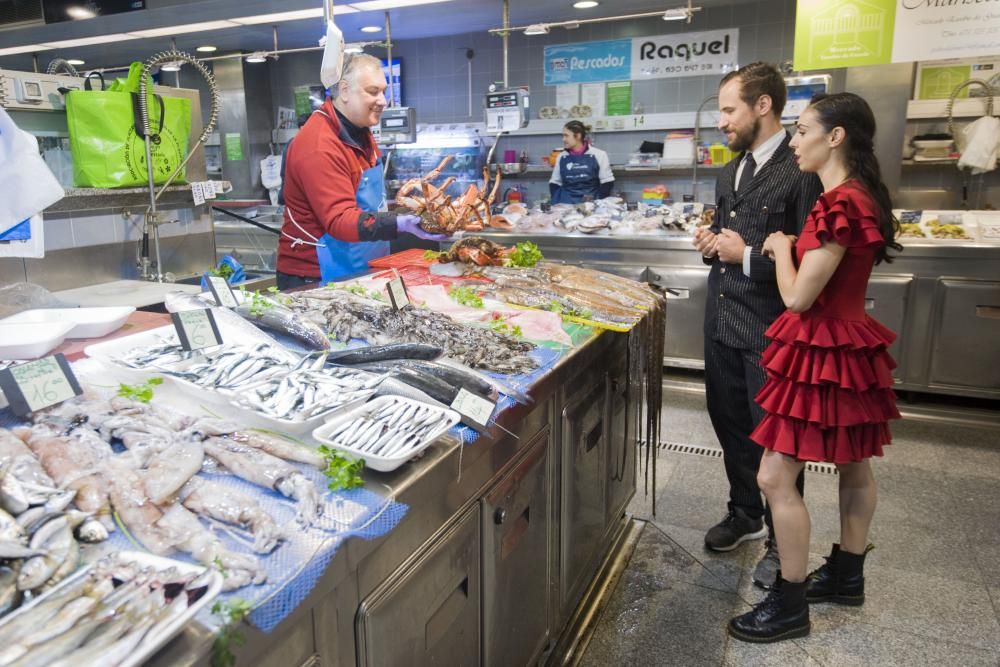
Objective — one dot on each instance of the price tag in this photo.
(208, 188)
(198, 192)
(39, 384)
(196, 329)
(475, 410)
(219, 187)
(222, 292)
(397, 293)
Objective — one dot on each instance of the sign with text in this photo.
(397, 293)
(39, 384)
(711, 52)
(708, 53)
(196, 329)
(222, 292)
(475, 410)
(847, 33)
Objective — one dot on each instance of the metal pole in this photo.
(392, 75)
(506, 38)
(327, 10)
(34, 61)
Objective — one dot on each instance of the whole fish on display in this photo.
(272, 316)
(371, 353)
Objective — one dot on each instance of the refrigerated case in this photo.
(434, 143)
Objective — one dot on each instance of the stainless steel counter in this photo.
(943, 299)
(500, 541)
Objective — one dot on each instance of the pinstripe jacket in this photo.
(739, 308)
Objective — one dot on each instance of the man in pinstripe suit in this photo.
(760, 192)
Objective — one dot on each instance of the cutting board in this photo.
(136, 293)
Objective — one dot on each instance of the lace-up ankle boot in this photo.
(783, 614)
(840, 580)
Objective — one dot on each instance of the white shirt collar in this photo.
(763, 153)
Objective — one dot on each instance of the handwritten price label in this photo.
(39, 384)
(475, 410)
(397, 293)
(222, 292)
(196, 329)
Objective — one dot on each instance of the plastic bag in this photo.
(19, 297)
(333, 56)
(982, 143)
(229, 268)
(27, 186)
(270, 176)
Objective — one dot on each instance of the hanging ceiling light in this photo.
(681, 13)
(207, 49)
(257, 57)
(171, 66)
(537, 29)
(586, 4)
(75, 61)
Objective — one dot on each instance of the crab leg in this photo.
(436, 171)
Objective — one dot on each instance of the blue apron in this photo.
(341, 258)
(580, 177)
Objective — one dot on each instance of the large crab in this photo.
(475, 250)
(441, 214)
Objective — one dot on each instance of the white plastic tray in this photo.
(88, 322)
(151, 643)
(30, 341)
(109, 353)
(381, 463)
(246, 414)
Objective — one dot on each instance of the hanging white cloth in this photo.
(982, 145)
(333, 55)
(27, 185)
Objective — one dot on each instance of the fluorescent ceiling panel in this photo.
(170, 31)
(279, 17)
(27, 48)
(374, 5)
(89, 41)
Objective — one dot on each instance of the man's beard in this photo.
(743, 140)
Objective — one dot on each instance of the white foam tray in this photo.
(381, 463)
(88, 322)
(253, 417)
(151, 643)
(30, 341)
(109, 352)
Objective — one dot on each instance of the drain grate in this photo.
(715, 453)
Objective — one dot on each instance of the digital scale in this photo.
(506, 110)
(800, 90)
(398, 126)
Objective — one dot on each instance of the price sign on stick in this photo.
(397, 293)
(196, 329)
(222, 292)
(39, 384)
(475, 410)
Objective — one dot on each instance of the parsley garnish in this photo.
(526, 254)
(344, 473)
(466, 296)
(139, 392)
(231, 614)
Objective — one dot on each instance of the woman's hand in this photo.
(777, 242)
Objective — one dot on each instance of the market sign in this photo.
(664, 56)
(848, 33)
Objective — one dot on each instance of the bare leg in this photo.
(858, 497)
(776, 479)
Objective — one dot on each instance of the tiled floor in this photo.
(932, 584)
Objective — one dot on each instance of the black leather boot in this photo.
(840, 580)
(783, 614)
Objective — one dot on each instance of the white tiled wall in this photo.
(84, 230)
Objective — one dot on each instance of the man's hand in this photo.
(705, 242)
(730, 247)
(410, 224)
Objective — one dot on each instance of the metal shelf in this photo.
(534, 170)
(92, 199)
(938, 109)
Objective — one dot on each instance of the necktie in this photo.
(749, 165)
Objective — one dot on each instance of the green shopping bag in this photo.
(105, 134)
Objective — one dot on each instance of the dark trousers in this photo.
(285, 281)
(732, 379)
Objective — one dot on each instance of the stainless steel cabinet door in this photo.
(429, 613)
(584, 448)
(687, 290)
(886, 301)
(966, 349)
(622, 401)
(517, 560)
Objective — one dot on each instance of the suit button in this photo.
(765, 209)
(722, 296)
(722, 270)
(732, 214)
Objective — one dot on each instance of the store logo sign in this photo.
(709, 53)
(588, 62)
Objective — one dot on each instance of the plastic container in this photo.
(152, 642)
(88, 322)
(30, 340)
(381, 463)
(110, 352)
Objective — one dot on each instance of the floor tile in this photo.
(863, 645)
(785, 654)
(932, 607)
(724, 568)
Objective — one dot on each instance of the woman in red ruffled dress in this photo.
(828, 396)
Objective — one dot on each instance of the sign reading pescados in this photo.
(682, 54)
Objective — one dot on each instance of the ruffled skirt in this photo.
(828, 396)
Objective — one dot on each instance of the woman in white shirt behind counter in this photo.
(582, 171)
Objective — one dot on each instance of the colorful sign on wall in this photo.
(683, 54)
(848, 33)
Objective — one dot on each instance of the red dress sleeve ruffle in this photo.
(846, 215)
